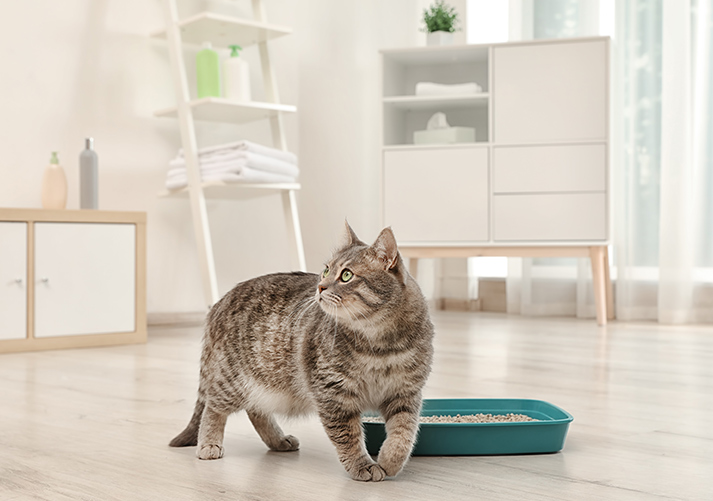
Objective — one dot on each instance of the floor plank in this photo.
(93, 424)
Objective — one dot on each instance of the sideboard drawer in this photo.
(560, 216)
(540, 169)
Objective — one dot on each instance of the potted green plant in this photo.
(441, 21)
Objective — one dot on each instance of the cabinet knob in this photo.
(18, 281)
(44, 280)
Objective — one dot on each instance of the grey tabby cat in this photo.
(356, 338)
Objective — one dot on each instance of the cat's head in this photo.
(361, 282)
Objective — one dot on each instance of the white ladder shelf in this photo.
(222, 30)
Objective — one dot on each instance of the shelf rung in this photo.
(221, 190)
(218, 109)
(222, 30)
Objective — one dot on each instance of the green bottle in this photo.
(208, 72)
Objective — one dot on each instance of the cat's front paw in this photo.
(210, 451)
(370, 473)
(287, 443)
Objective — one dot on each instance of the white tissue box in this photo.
(448, 135)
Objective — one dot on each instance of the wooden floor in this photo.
(93, 424)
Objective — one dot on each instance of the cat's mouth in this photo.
(329, 298)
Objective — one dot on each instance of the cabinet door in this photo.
(13, 280)
(85, 277)
(437, 195)
(550, 92)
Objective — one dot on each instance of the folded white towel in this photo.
(220, 149)
(436, 89)
(242, 159)
(244, 175)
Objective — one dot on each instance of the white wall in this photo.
(339, 113)
(87, 67)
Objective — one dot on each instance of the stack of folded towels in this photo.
(238, 162)
(436, 89)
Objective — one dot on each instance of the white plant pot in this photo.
(439, 38)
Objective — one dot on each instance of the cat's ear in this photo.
(386, 249)
(350, 238)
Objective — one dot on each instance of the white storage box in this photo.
(448, 135)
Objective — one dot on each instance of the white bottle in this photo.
(236, 76)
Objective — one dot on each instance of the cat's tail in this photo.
(189, 436)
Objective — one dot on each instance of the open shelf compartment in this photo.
(405, 112)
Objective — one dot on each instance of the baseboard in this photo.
(455, 304)
(175, 318)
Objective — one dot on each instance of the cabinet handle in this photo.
(44, 280)
(18, 281)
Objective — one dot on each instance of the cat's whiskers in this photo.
(355, 320)
(333, 318)
(329, 317)
(300, 311)
(311, 302)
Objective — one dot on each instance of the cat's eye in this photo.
(325, 273)
(347, 275)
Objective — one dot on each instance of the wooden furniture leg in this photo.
(596, 255)
(413, 267)
(610, 292)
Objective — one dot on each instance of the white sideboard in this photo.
(536, 180)
(71, 278)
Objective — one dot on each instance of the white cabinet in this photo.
(71, 278)
(535, 183)
(85, 278)
(551, 91)
(437, 195)
(13, 280)
(538, 171)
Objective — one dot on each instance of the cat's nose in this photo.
(321, 288)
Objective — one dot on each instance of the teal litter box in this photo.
(475, 439)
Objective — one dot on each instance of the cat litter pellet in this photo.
(466, 418)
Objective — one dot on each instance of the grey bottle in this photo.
(88, 182)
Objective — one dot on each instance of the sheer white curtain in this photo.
(664, 161)
(662, 164)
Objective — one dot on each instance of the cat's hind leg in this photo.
(210, 433)
(272, 434)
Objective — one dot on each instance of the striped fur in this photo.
(298, 343)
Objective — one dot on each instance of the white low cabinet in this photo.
(533, 183)
(71, 278)
(13, 280)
